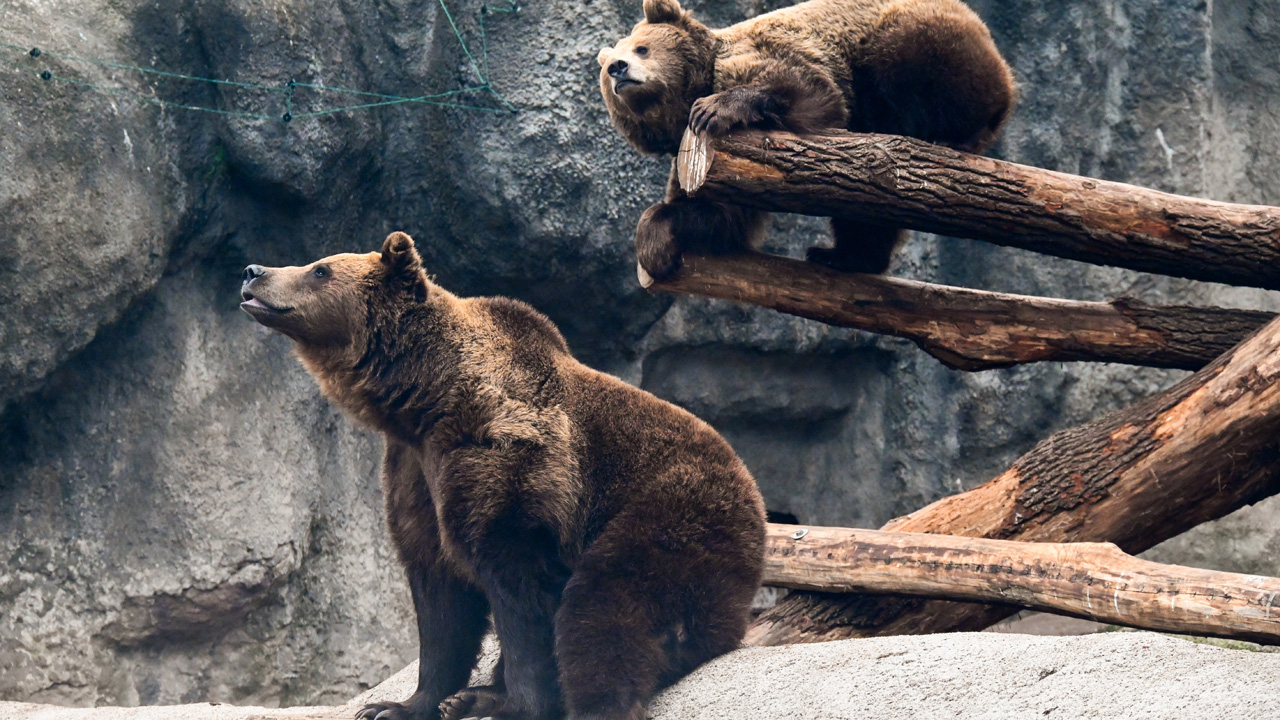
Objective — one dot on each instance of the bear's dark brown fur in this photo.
(616, 539)
(923, 68)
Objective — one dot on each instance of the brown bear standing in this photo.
(616, 539)
(923, 68)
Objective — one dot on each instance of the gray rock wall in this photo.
(182, 516)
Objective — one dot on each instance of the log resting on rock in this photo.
(1097, 581)
(1202, 449)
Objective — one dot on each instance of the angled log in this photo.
(1204, 448)
(908, 183)
(972, 329)
(1096, 581)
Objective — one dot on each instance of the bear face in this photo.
(324, 307)
(650, 78)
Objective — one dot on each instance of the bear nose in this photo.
(253, 271)
(618, 68)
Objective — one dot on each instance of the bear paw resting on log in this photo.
(924, 68)
(616, 538)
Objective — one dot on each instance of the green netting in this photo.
(277, 102)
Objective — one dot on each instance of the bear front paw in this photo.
(656, 247)
(723, 113)
(472, 702)
(395, 711)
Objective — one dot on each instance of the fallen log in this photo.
(909, 183)
(971, 329)
(1096, 581)
(1204, 448)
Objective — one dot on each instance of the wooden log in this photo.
(1096, 581)
(909, 183)
(972, 329)
(1204, 448)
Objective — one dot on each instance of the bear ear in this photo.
(663, 11)
(404, 264)
(603, 56)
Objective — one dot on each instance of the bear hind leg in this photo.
(934, 74)
(610, 662)
(668, 230)
(859, 247)
(620, 641)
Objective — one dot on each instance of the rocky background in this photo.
(182, 517)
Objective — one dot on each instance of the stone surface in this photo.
(1120, 676)
(183, 518)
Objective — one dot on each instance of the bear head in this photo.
(330, 307)
(650, 79)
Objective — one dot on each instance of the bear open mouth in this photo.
(254, 304)
(623, 83)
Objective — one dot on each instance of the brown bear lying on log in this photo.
(923, 68)
(616, 539)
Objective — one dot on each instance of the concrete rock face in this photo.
(183, 517)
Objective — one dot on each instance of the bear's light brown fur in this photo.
(923, 68)
(616, 538)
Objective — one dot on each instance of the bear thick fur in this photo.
(923, 68)
(616, 539)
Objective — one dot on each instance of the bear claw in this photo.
(410, 710)
(721, 113)
(471, 702)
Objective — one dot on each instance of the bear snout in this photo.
(617, 69)
(251, 293)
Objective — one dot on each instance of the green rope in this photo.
(154, 101)
(327, 88)
(397, 102)
(512, 7)
(441, 99)
(458, 34)
(152, 71)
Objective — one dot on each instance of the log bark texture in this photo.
(972, 329)
(1204, 448)
(1096, 581)
(909, 183)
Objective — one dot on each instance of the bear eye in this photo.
(320, 272)
(642, 50)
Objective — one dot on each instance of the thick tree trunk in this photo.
(1207, 446)
(1090, 580)
(904, 182)
(972, 329)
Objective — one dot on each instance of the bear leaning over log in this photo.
(923, 68)
(616, 539)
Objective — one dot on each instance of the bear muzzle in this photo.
(621, 75)
(255, 277)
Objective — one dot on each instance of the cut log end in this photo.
(646, 280)
(693, 161)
